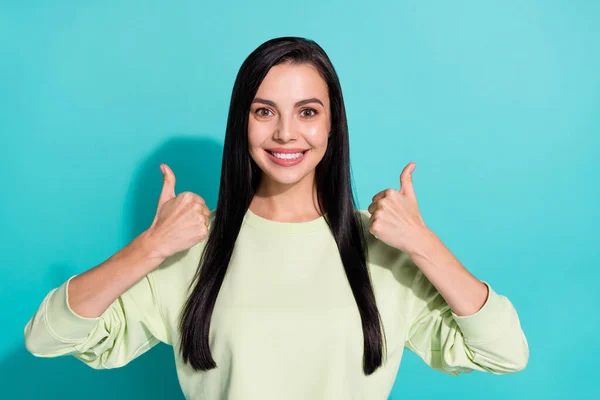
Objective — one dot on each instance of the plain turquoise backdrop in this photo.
(498, 102)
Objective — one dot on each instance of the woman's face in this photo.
(289, 124)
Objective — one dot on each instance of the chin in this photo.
(284, 178)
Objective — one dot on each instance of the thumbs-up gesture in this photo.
(181, 221)
(395, 216)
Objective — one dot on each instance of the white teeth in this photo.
(287, 156)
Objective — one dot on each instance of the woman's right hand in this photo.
(181, 221)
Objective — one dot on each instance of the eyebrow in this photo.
(298, 104)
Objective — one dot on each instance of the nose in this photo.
(285, 130)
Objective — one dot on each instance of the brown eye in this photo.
(314, 112)
(259, 112)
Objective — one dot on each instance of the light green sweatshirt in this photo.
(285, 324)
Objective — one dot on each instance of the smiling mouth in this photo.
(286, 156)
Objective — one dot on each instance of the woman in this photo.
(285, 290)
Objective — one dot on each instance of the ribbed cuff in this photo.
(487, 323)
(62, 321)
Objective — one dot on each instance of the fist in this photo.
(180, 222)
(395, 216)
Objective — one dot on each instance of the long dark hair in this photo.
(240, 177)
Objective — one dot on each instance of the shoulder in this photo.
(363, 215)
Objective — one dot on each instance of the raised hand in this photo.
(395, 216)
(181, 221)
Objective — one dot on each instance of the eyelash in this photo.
(315, 112)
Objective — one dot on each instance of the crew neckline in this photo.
(269, 225)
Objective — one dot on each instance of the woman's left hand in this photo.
(395, 216)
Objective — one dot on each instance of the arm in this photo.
(110, 314)
(105, 316)
(486, 337)
(456, 322)
(464, 293)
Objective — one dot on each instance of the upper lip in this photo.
(283, 150)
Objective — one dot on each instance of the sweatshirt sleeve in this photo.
(128, 328)
(490, 340)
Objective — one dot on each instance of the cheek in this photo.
(317, 135)
(256, 134)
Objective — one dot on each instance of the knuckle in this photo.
(374, 228)
(187, 196)
(205, 213)
(201, 221)
(193, 197)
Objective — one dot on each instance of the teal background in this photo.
(498, 102)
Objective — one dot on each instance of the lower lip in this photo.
(287, 163)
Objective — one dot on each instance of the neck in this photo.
(295, 202)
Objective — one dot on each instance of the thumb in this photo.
(168, 189)
(406, 184)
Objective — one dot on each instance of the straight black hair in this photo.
(240, 177)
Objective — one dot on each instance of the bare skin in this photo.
(285, 193)
(291, 110)
(288, 193)
(180, 222)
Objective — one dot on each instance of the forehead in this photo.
(293, 82)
